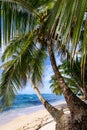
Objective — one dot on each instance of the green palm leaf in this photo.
(14, 71)
(23, 61)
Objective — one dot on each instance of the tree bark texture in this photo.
(75, 104)
(67, 123)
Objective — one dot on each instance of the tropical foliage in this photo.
(19, 19)
(23, 51)
(72, 76)
(40, 28)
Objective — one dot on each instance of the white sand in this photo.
(39, 120)
(29, 122)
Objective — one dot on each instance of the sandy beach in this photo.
(38, 120)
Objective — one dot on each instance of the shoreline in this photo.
(29, 122)
(7, 116)
(38, 118)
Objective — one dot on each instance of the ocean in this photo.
(26, 104)
(30, 100)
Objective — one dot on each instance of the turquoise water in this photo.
(26, 104)
(29, 100)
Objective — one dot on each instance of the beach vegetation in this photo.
(72, 76)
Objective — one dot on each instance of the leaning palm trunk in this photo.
(78, 109)
(55, 113)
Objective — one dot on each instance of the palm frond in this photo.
(84, 52)
(14, 46)
(27, 58)
(26, 5)
(81, 8)
(37, 65)
(54, 86)
(16, 19)
(15, 71)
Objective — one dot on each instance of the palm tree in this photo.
(62, 24)
(23, 53)
(72, 76)
(63, 28)
(23, 64)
